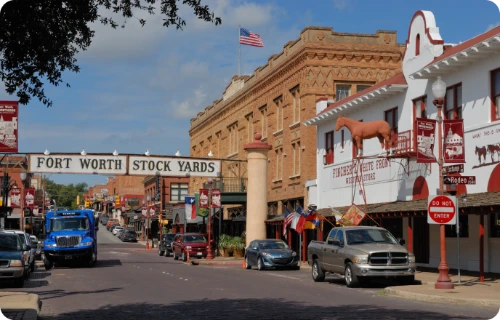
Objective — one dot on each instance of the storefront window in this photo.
(451, 230)
(495, 225)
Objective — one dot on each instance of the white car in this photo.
(115, 230)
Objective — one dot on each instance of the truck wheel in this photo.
(32, 267)
(247, 264)
(47, 264)
(175, 256)
(93, 260)
(351, 280)
(167, 253)
(317, 274)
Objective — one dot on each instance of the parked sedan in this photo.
(37, 244)
(115, 229)
(128, 235)
(270, 254)
(119, 232)
(13, 261)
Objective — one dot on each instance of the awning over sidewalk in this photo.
(404, 208)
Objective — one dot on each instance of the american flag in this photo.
(251, 39)
(287, 220)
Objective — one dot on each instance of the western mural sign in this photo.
(123, 165)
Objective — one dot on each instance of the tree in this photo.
(39, 39)
(65, 195)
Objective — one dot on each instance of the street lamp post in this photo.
(439, 92)
(209, 225)
(148, 225)
(22, 225)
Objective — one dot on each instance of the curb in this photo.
(18, 301)
(390, 291)
(27, 314)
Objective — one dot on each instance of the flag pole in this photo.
(239, 49)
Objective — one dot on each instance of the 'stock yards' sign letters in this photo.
(149, 166)
(442, 210)
(122, 165)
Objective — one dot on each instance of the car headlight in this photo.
(411, 258)
(188, 247)
(265, 254)
(16, 263)
(51, 245)
(360, 260)
(294, 254)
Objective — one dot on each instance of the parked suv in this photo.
(13, 265)
(25, 239)
(193, 243)
(165, 246)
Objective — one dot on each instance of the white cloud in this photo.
(191, 105)
(492, 26)
(340, 4)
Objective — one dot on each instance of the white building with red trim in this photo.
(395, 189)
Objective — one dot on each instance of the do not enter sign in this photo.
(442, 210)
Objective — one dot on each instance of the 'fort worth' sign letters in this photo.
(122, 165)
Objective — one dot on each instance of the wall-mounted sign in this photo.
(149, 166)
(89, 164)
(8, 126)
(104, 190)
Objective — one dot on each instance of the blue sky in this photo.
(139, 86)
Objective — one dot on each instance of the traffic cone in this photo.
(243, 265)
(188, 260)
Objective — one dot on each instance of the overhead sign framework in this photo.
(123, 165)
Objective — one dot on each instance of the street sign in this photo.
(442, 210)
(458, 168)
(459, 179)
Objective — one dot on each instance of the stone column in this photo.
(257, 155)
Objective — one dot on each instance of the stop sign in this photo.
(442, 210)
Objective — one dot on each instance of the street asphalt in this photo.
(130, 282)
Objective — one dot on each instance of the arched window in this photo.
(417, 45)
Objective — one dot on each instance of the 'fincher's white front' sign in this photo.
(122, 165)
(89, 164)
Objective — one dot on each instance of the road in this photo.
(130, 282)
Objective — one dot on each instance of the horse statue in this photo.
(366, 130)
(481, 151)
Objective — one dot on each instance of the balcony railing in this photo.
(404, 143)
(229, 184)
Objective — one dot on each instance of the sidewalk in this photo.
(20, 305)
(468, 292)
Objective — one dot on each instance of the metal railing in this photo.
(404, 143)
(229, 184)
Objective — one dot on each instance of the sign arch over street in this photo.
(105, 164)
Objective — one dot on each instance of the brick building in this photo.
(279, 95)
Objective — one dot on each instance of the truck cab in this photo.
(71, 237)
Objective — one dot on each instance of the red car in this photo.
(194, 243)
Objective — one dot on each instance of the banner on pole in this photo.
(29, 198)
(426, 129)
(353, 216)
(15, 198)
(216, 198)
(454, 144)
(204, 198)
(8, 126)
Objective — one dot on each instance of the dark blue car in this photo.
(13, 262)
(270, 253)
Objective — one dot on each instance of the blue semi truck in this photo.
(71, 237)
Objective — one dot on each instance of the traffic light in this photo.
(117, 200)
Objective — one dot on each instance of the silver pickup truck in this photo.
(360, 253)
